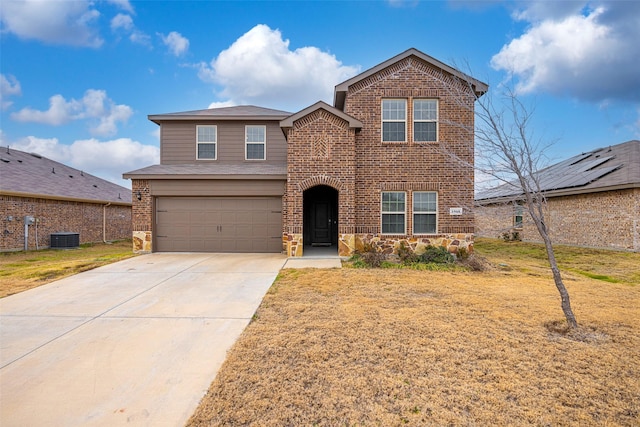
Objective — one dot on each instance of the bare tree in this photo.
(504, 139)
(505, 149)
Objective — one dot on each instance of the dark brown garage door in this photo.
(218, 224)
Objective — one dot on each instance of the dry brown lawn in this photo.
(390, 347)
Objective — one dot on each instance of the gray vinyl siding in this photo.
(178, 142)
(216, 187)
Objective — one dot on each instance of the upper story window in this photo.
(393, 212)
(394, 120)
(425, 120)
(255, 142)
(425, 212)
(206, 142)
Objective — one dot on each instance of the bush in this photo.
(511, 236)
(463, 253)
(371, 256)
(436, 255)
(406, 254)
(476, 263)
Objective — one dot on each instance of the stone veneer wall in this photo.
(54, 216)
(608, 219)
(142, 216)
(350, 243)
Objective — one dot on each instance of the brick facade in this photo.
(341, 147)
(142, 216)
(320, 151)
(54, 216)
(324, 151)
(609, 219)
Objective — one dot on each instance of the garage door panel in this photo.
(218, 224)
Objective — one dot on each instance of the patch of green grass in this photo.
(602, 277)
(21, 270)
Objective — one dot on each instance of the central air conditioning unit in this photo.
(65, 240)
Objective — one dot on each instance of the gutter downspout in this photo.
(104, 222)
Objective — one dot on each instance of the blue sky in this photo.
(78, 78)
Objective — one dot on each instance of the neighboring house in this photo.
(59, 199)
(374, 168)
(592, 199)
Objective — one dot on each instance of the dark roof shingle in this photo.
(611, 167)
(35, 175)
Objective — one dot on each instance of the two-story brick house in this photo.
(376, 167)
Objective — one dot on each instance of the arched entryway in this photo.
(320, 218)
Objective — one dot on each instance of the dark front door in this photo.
(320, 216)
(321, 223)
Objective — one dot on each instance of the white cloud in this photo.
(222, 104)
(55, 22)
(177, 44)
(587, 50)
(106, 159)
(95, 105)
(9, 86)
(122, 4)
(123, 24)
(138, 37)
(259, 68)
(122, 21)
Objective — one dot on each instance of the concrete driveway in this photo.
(136, 342)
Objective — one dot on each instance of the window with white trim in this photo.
(255, 142)
(393, 212)
(425, 212)
(394, 120)
(206, 142)
(518, 212)
(425, 120)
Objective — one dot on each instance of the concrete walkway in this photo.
(136, 342)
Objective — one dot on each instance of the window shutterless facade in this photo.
(394, 120)
(425, 212)
(518, 211)
(206, 142)
(393, 212)
(255, 142)
(425, 120)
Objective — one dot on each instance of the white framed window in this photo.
(425, 120)
(394, 120)
(255, 142)
(425, 212)
(393, 212)
(206, 142)
(518, 212)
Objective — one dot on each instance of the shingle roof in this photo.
(608, 168)
(240, 112)
(353, 122)
(211, 171)
(33, 175)
(342, 88)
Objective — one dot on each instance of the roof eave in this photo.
(576, 191)
(261, 177)
(320, 105)
(159, 118)
(480, 88)
(63, 198)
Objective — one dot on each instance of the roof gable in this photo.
(239, 112)
(353, 122)
(342, 88)
(608, 168)
(28, 174)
